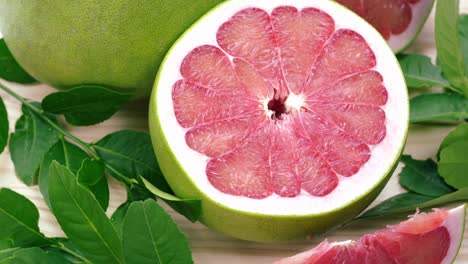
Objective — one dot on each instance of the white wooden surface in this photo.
(210, 247)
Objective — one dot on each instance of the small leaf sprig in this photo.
(71, 175)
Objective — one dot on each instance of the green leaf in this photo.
(7, 253)
(65, 248)
(6, 243)
(407, 202)
(34, 256)
(134, 193)
(131, 153)
(64, 153)
(91, 172)
(453, 164)
(85, 105)
(82, 218)
(421, 176)
(32, 139)
(118, 217)
(10, 70)
(463, 24)
(397, 204)
(419, 71)
(91, 175)
(449, 45)
(190, 208)
(151, 236)
(458, 134)
(438, 107)
(19, 220)
(4, 126)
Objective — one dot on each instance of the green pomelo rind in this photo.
(246, 225)
(119, 44)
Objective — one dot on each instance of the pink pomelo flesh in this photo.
(286, 102)
(430, 238)
(389, 17)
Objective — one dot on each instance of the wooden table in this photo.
(210, 247)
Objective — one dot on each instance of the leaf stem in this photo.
(88, 147)
(128, 181)
(44, 117)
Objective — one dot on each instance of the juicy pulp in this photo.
(429, 238)
(239, 113)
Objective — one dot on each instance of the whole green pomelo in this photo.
(117, 43)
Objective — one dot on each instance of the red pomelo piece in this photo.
(426, 238)
(296, 87)
(398, 21)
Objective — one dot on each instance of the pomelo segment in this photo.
(284, 119)
(399, 21)
(429, 238)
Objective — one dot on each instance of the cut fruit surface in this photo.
(429, 238)
(298, 105)
(399, 21)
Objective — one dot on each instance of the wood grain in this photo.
(210, 247)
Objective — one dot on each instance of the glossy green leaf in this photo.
(91, 175)
(64, 153)
(65, 248)
(151, 236)
(419, 71)
(421, 176)
(134, 193)
(7, 253)
(407, 202)
(19, 220)
(449, 44)
(10, 70)
(399, 203)
(190, 208)
(85, 105)
(4, 126)
(32, 139)
(82, 218)
(118, 216)
(131, 153)
(458, 134)
(91, 172)
(34, 256)
(463, 29)
(453, 164)
(438, 107)
(6, 243)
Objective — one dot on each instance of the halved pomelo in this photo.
(399, 21)
(284, 118)
(432, 238)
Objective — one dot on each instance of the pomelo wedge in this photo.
(285, 119)
(432, 238)
(399, 21)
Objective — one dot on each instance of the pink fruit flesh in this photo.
(236, 111)
(389, 17)
(422, 239)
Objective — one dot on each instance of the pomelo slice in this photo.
(284, 118)
(399, 21)
(432, 238)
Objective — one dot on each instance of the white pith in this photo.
(383, 156)
(419, 13)
(455, 224)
